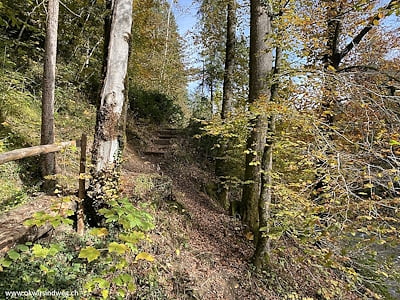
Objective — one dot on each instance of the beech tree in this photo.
(48, 163)
(261, 66)
(110, 123)
(227, 98)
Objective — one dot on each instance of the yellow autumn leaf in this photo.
(144, 256)
(249, 236)
(331, 68)
(99, 232)
(105, 294)
(375, 22)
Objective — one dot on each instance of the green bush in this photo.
(154, 106)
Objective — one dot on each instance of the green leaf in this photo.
(54, 249)
(5, 262)
(133, 237)
(394, 143)
(144, 256)
(122, 264)
(44, 268)
(131, 287)
(89, 253)
(103, 284)
(14, 255)
(99, 232)
(39, 251)
(117, 248)
(22, 248)
(121, 293)
(126, 277)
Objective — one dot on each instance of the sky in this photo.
(185, 14)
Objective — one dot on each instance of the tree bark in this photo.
(48, 161)
(230, 50)
(259, 90)
(109, 136)
(262, 254)
(227, 99)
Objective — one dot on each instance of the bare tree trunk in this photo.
(260, 68)
(230, 51)
(166, 42)
(48, 161)
(110, 124)
(227, 99)
(262, 254)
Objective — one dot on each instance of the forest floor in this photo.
(202, 252)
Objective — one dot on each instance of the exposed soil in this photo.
(202, 252)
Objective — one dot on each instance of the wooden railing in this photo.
(43, 149)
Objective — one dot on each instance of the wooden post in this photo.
(80, 218)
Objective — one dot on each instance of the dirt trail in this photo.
(213, 263)
(202, 253)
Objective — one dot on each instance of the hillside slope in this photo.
(202, 253)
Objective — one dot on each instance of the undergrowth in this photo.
(20, 118)
(104, 263)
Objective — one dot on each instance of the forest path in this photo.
(203, 251)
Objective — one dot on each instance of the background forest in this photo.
(289, 108)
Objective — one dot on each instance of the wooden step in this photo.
(169, 131)
(154, 152)
(169, 136)
(162, 142)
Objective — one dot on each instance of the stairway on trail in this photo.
(163, 141)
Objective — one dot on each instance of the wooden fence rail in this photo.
(43, 149)
(33, 151)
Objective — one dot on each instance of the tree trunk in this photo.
(262, 254)
(48, 161)
(227, 99)
(110, 124)
(259, 90)
(166, 42)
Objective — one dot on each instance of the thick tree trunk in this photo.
(259, 90)
(48, 161)
(110, 124)
(227, 99)
(262, 254)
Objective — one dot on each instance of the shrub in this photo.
(155, 106)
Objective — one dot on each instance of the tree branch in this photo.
(370, 68)
(357, 39)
